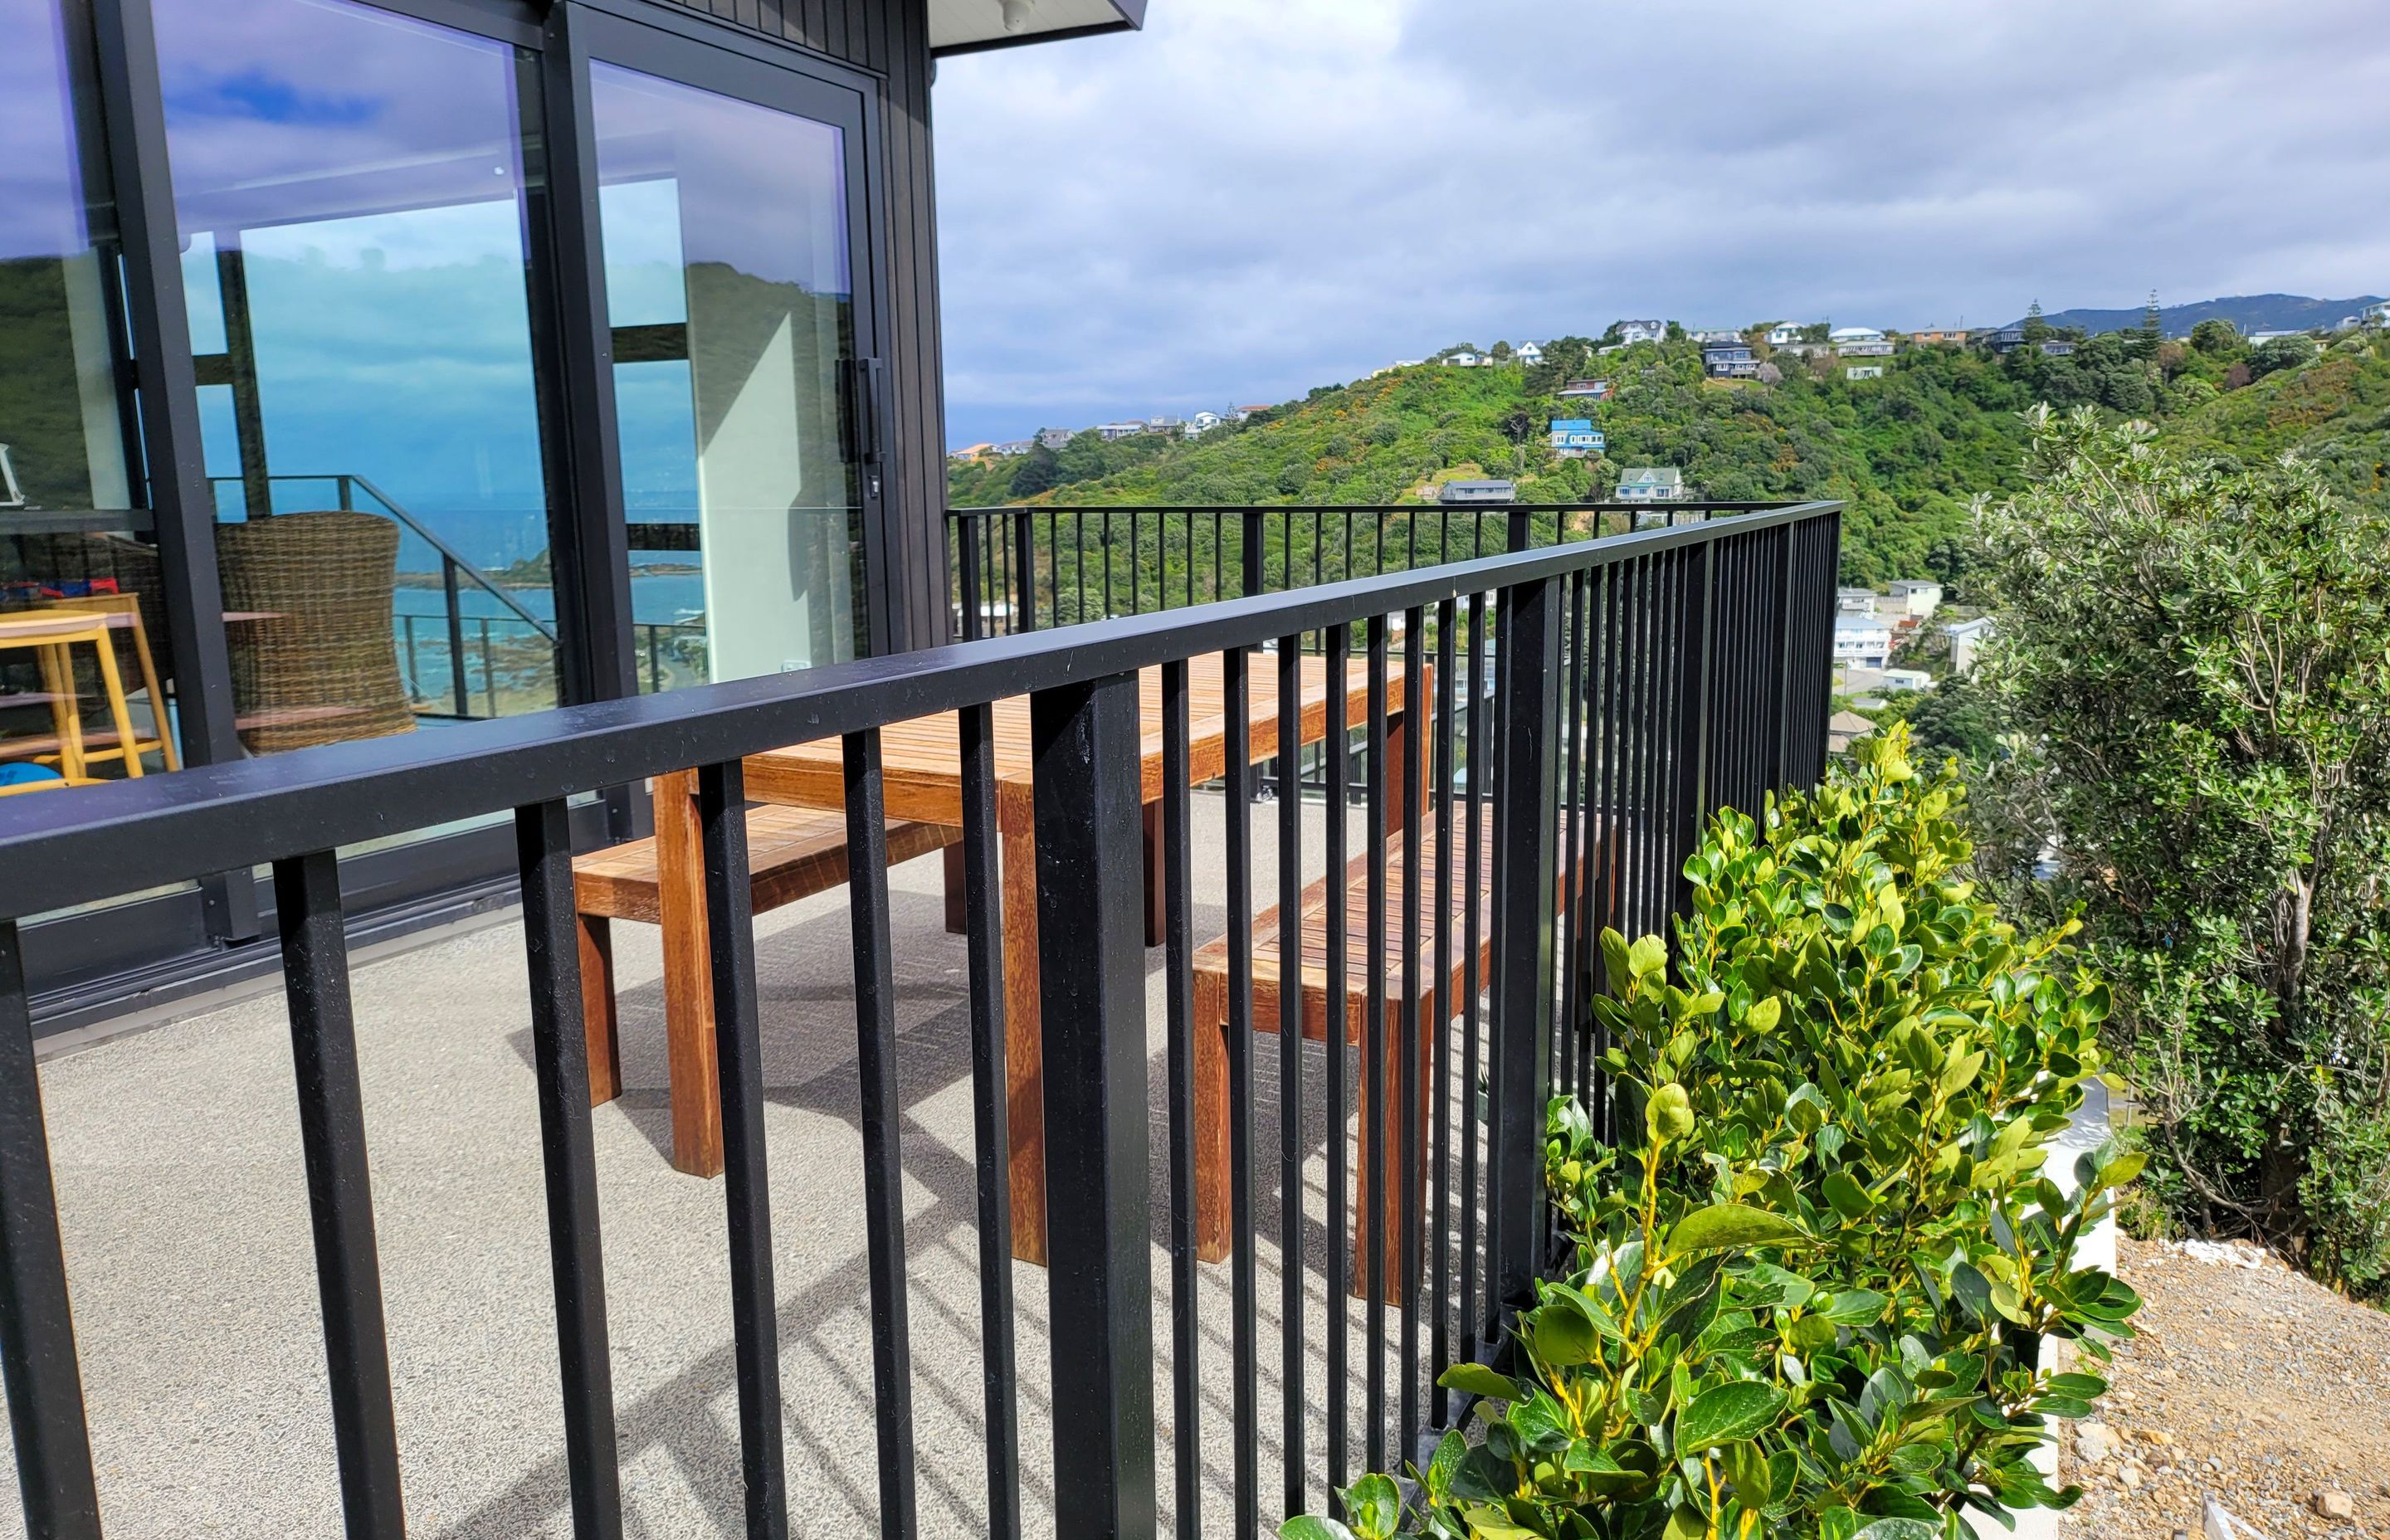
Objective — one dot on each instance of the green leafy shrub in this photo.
(2194, 656)
(1814, 1270)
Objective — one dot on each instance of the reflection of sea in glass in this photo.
(727, 260)
(355, 271)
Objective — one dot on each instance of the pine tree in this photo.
(2035, 328)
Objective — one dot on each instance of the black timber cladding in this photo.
(890, 38)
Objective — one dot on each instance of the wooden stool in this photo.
(792, 853)
(51, 636)
(124, 615)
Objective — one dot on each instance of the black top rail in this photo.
(134, 834)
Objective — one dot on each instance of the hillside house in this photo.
(1785, 333)
(1653, 484)
(1528, 354)
(1709, 335)
(1630, 332)
(2058, 350)
(1244, 413)
(1728, 360)
(1574, 438)
(971, 453)
(1464, 360)
(1202, 423)
(1057, 438)
(1862, 639)
(1587, 390)
(1110, 431)
(1859, 341)
(1856, 601)
(1967, 639)
(1460, 494)
(1940, 336)
(1014, 448)
(1844, 728)
(1918, 596)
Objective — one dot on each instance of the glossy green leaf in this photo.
(1726, 1226)
(1726, 1413)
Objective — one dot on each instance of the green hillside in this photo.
(1907, 452)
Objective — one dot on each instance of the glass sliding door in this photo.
(730, 224)
(353, 195)
(78, 557)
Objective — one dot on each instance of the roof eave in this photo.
(1132, 18)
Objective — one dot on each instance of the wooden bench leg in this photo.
(958, 894)
(1157, 916)
(1384, 1216)
(599, 1020)
(689, 979)
(1214, 1237)
(1024, 1044)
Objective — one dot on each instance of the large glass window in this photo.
(351, 188)
(84, 669)
(731, 288)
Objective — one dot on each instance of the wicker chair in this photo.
(321, 667)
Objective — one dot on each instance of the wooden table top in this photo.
(922, 759)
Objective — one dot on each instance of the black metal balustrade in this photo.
(1029, 568)
(1639, 682)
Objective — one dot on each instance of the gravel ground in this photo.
(2253, 1385)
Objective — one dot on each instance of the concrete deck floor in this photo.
(185, 1220)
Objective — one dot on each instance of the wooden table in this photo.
(921, 773)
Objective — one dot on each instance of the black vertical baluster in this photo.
(560, 1057)
(339, 1191)
(1572, 826)
(1417, 747)
(1522, 1013)
(37, 1345)
(1290, 1060)
(1639, 720)
(1661, 654)
(1372, 1220)
(1091, 968)
(1696, 721)
(1336, 807)
(1244, 1336)
(1177, 864)
(1105, 536)
(1136, 568)
(990, 1120)
(1054, 561)
(1602, 828)
(1472, 983)
(966, 545)
(882, 1109)
(1440, 1045)
(1410, 541)
(737, 1050)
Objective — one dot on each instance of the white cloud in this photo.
(1254, 197)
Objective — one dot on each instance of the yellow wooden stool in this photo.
(51, 636)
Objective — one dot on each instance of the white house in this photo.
(1854, 601)
(1967, 639)
(1651, 484)
(1716, 334)
(1464, 361)
(1202, 423)
(1858, 680)
(1056, 438)
(1014, 448)
(1642, 331)
(1785, 332)
(1854, 334)
(1111, 431)
(1918, 596)
(1865, 640)
(1528, 354)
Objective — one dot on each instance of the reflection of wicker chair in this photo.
(322, 667)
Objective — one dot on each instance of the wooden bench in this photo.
(1214, 1237)
(792, 853)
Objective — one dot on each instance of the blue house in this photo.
(1728, 360)
(1574, 438)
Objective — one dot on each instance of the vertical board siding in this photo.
(891, 38)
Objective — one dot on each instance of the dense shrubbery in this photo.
(2194, 657)
(1813, 1275)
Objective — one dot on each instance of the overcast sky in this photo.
(1254, 197)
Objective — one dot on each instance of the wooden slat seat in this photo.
(792, 853)
(1212, 1228)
